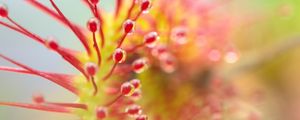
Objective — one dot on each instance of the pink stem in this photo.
(118, 7)
(110, 72)
(50, 12)
(64, 84)
(100, 26)
(16, 29)
(63, 77)
(137, 16)
(72, 105)
(129, 12)
(38, 39)
(62, 51)
(122, 40)
(95, 86)
(130, 9)
(131, 50)
(97, 49)
(113, 101)
(37, 107)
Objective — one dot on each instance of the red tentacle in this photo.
(66, 84)
(75, 30)
(49, 108)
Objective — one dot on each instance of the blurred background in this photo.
(266, 34)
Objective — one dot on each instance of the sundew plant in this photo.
(142, 60)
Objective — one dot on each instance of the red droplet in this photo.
(137, 94)
(94, 2)
(145, 6)
(136, 83)
(91, 69)
(127, 89)
(139, 65)
(159, 50)
(128, 26)
(101, 112)
(179, 35)
(151, 39)
(52, 44)
(38, 98)
(168, 62)
(119, 55)
(133, 110)
(93, 24)
(3, 10)
(142, 117)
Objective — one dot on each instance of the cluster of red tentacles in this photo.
(88, 69)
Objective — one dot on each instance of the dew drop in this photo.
(119, 55)
(139, 65)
